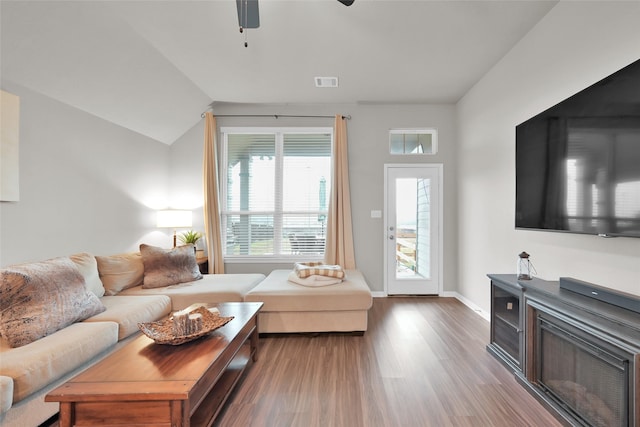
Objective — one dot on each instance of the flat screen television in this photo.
(578, 163)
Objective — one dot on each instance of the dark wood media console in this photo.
(579, 356)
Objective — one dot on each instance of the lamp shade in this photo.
(174, 219)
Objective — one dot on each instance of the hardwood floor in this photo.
(421, 363)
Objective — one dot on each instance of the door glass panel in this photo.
(413, 213)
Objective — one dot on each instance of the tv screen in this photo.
(578, 163)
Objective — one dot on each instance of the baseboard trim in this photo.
(449, 294)
(485, 315)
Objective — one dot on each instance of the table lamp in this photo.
(175, 219)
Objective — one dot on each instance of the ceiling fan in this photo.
(248, 16)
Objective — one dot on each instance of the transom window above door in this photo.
(275, 193)
(413, 141)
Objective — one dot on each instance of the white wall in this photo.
(575, 45)
(367, 133)
(85, 185)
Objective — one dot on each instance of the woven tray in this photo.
(162, 331)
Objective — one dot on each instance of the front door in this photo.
(412, 229)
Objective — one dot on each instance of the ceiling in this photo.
(155, 66)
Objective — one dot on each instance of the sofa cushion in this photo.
(166, 267)
(120, 271)
(128, 311)
(88, 267)
(36, 365)
(39, 298)
(212, 288)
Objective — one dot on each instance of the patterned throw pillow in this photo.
(39, 298)
(165, 267)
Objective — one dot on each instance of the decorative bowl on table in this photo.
(163, 331)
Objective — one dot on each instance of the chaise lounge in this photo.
(289, 307)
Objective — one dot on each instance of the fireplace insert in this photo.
(580, 369)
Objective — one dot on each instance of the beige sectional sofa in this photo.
(30, 371)
(130, 289)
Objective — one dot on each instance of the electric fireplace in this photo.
(574, 345)
(580, 369)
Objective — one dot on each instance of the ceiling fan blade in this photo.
(248, 16)
(346, 2)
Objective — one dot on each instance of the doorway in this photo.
(413, 231)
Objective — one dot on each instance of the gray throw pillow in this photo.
(39, 298)
(164, 267)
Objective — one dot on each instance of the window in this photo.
(413, 141)
(275, 192)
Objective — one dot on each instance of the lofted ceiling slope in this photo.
(155, 66)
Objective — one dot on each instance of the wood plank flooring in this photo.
(421, 363)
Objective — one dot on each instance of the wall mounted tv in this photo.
(578, 163)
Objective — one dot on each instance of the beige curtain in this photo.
(339, 241)
(211, 203)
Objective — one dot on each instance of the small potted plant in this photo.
(190, 237)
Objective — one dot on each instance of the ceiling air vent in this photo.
(326, 81)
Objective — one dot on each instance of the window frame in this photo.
(225, 131)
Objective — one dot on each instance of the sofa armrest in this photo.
(6, 393)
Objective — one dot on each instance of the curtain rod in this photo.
(276, 116)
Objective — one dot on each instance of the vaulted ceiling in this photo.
(155, 66)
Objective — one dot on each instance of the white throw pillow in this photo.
(88, 267)
(121, 271)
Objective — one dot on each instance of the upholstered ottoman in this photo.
(289, 307)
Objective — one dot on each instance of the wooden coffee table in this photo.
(146, 384)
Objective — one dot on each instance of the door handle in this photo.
(391, 237)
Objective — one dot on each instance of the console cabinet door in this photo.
(507, 335)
